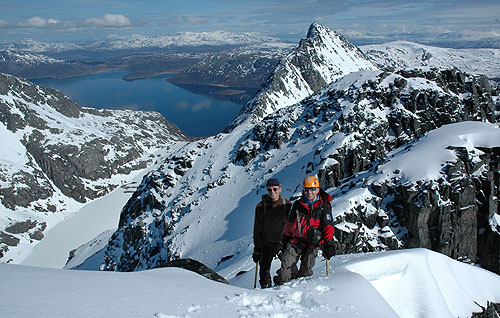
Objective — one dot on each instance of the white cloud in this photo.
(41, 23)
(109, 21)
(36, 22)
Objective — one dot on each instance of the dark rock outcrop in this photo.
(197, 267)
(491, 311)
(450, 215)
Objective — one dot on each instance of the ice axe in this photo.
(327, 267)
(256, 271)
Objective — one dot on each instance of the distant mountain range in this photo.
(233, 65)
(184, 39)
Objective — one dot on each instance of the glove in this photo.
(328, 250)
(256, 256)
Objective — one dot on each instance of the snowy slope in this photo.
(214, 38)
(26, 58)
(406, 284)
(407, 55)
(94, 222)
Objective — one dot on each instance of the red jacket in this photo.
(318, 215)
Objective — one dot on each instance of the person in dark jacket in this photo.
(308, 227)
(269, 220)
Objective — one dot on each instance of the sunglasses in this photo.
(273, 189)
(310, 189)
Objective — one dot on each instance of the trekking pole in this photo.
(327, 267)
(256, 271)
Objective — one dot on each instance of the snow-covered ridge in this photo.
(32, 46)
(187, 39)
(27, 58)
(407, 55)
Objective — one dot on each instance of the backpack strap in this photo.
(264, 202)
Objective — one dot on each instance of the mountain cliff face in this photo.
(204, 195)
(57, 155)
(439, 192)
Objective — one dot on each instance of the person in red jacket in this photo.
(308, 227)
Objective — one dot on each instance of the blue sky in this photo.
(370, 20)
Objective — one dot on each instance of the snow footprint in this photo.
(274, 305)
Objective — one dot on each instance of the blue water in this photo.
(195, 114)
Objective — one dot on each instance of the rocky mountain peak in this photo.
(318, 60)
(315, 29)
(319, 32)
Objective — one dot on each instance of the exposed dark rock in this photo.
(491, 311)
(450, 215)
(21, 227)
(197, 267)
(8, 239)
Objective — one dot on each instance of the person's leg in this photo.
(288, 262)
(265, 268)
(307, 261)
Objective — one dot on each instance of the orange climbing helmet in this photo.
(310, 182)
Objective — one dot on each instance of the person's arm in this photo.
(257, 230)
(328, 228)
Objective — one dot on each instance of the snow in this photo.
(53, 250)
(403, 54)
(419, 283)
(422, 160)
(406, 284)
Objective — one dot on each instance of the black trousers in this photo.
(268, 253)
